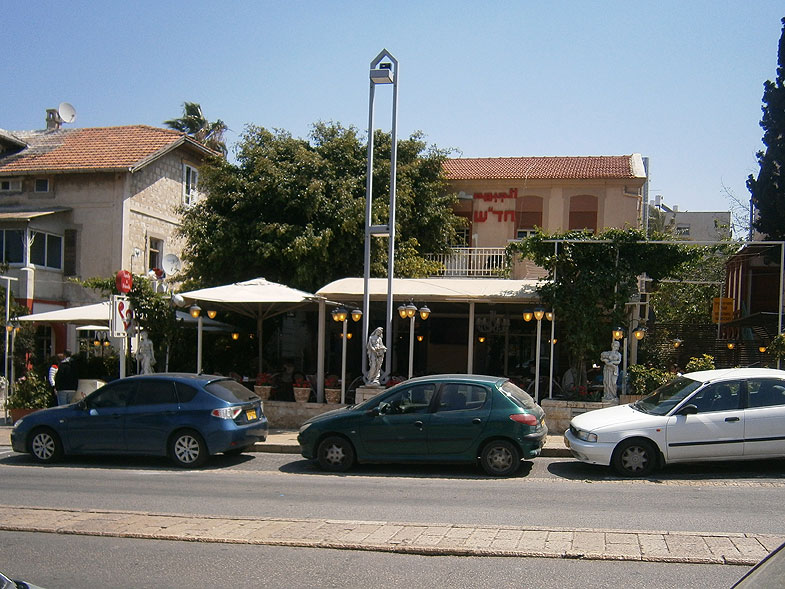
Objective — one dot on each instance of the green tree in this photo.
(768, 190)
(293, 210)
(197, 126)
(592, 277)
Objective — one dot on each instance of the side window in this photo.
(154, 392)
(765, 392)
(185, 392)
(457, 397)
(111, 397)
(190, 181)
(721, 396)
(414, 399)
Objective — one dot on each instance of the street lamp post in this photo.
(8, 280)
(196, 313)
(380, 73)
(538, 314)
(408, 312)
(341, 316)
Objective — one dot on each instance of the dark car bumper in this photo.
(531, 444)
(233, 437)
(18, 442)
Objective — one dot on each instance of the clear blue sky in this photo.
(679, 81)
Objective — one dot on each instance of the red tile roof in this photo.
(514, 168)
(89, 149)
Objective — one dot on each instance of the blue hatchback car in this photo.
(187, 417)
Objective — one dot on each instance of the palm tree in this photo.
(197, 126)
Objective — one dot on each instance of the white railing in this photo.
(471, 261)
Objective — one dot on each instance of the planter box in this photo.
(332, 395)
(559, 413)
(301, 394)
(17, 414)
(288, 415)
(263, 391)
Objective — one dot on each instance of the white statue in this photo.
(146, 354)
(610, 372)
(376, 350)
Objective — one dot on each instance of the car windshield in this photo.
(665, 398)
(518, 395)
(231, 391)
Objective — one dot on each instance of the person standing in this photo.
(66, 379)
(53, 373)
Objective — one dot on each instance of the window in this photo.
(765, 393)
(683, 230)
(583, 212)
(415, 399)
(155, 249)
(42, 184)
(722, 396)
(156, 392)
(190, 181)
(46, 250)
(456, 397)
(10, 185)
(12, 245)
(524, 233)
(69, 252)
(112, 396)
(528, 215)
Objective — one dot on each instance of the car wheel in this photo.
(45, 445)
(635, 458)
(500, 458)
(335, 454)
(187, 449)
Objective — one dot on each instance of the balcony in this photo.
(472, 262)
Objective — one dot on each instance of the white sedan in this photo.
(732, 414)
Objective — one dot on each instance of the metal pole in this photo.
(550, 358)
(391, 221)
(368, 219)
(411, 347)
(537, 364)
(343, 364)
(199, 346)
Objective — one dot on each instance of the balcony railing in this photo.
(471, 262)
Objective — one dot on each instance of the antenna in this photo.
(67, 112)
(170, 264)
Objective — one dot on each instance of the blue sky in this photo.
(679, 81)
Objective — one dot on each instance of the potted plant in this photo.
(302, 389)
(264, 385)
(31, 393)
(332, 392)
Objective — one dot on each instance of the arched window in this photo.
(583, 212)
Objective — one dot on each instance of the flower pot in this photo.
(301, 394)
(332, 395)
(17, 414)
(263, 391)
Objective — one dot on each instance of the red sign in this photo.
(124, 281)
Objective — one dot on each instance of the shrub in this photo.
(706, 362)
(643, 380)
(30, 392)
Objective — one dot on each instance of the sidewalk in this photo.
(285, 442)
(405, 537)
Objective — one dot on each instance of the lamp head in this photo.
(402, 311)
(357, 315)
(195, 311)
(618, 333)
(425, 312)
(211, 313)
(527, 315)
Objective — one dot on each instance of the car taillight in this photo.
(524, 418)
(226, 412)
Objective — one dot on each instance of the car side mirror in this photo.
(82, 405)
(688, 410)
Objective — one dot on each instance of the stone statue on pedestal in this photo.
(610, 372)
(376, 350)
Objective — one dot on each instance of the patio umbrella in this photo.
(257, 298)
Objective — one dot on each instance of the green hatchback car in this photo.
(440, 418)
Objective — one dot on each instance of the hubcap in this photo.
(334, 454)
(186, 448)
(43, 446)
(499, 459)
(634, 459)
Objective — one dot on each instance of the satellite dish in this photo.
(171, 264)
(67, 112)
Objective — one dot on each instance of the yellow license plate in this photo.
(250, 414)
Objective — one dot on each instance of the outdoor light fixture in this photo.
(539, 313)
(357, 315)
(481, 339)
(211, 313)
(419, 338)
(553, 341)
(618, 333)
(383, 74)
(409, 311)
(527, 316)
(195, 311)
(639, 333)
(731, 345)
(341, 315)
(425, 312)
(676, 343)
(402, 311)
(235, 335)
(349, 335)
(549, 315)
(762, 349)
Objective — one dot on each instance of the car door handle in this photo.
(731, 419)
(476, 420)
(418, 424)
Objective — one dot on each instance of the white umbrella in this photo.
(258, 298)
(84, 315)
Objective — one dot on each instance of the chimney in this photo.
(53, 120)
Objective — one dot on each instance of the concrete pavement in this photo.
(284, 441)
(404, 537)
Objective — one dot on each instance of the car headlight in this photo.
(304, 427)
(584, 435)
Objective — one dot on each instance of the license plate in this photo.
(250, 414)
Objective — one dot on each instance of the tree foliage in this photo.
(591, 278)
(768, 189)
(293, 210)
(194, 123)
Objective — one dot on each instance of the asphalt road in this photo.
(89, 561)
(547, 492)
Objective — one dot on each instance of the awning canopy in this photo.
(28, 215)
(480, 290)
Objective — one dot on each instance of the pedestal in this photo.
(367, 391)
